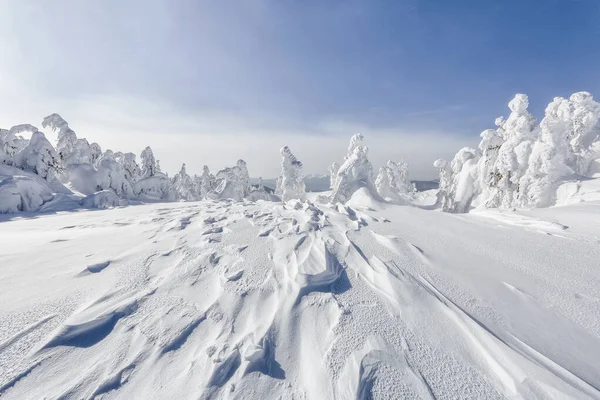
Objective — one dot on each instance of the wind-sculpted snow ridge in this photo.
(523, 164)
(261, 300)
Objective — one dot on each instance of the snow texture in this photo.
(260, 300)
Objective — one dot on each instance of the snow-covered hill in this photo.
(260, 300)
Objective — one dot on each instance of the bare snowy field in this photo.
(263, 301)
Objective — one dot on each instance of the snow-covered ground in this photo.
(300, 301)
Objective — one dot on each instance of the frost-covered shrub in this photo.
(290, 185)
(354, 173)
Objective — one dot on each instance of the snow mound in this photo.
(22, 193)
(103, 199)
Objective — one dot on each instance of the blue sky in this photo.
(213, 81)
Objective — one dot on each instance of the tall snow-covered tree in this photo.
(183, 185)
(149, 165)
(130, 167)
(333, 170)
(548, 164)
(67, 139)
(244, 176)
(464, 186)
(491, 142)
(290, 184)
(444, 194)
(205, 182)
(584, 134)
(519, 131)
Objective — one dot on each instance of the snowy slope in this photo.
(262, 300)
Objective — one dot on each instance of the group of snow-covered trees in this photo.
(522, 163)
(356, 172)
(84, 169)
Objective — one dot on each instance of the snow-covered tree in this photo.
(333, 170)
(130, 167)
(149, 165)
(231, 183)
(548, 164)
(67, 139)
(519, 131)
(183, 185)
(584, 134)
(244, 176)
(354, 173)
(444, 195)
(355, 141)
(95, 153)
(392, 181)
(204, 183)
(11, 142)
(38, 156)
(112, 176)
(489, 147)
(290, 185)
(464, 186)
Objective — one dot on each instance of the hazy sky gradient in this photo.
(208, 82)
